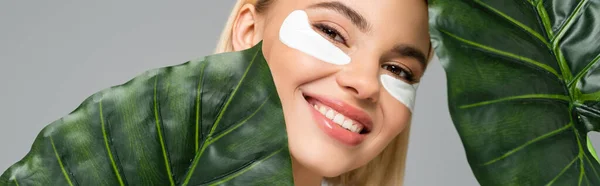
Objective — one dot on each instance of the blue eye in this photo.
(399, 72)
(331, 33)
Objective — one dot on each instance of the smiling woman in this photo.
(346, 73)
(341, 75)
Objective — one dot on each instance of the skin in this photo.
(389, 23)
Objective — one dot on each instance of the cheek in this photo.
(395, 118)
(292, 69)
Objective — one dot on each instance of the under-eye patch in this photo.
(297, 33)
(401, 90)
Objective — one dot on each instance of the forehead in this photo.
(403, 11)
(398, 20)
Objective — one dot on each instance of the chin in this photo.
(317, 147)
(318, 162)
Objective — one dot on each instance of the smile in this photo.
(339, 120)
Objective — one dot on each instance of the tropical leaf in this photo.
(210, 121)
(523, 86)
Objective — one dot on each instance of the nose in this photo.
(360, 78)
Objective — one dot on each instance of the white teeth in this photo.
(338, 118)
(323, 110)
(354, 128)
(329, 114)
(348, 124)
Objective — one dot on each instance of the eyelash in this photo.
(399, 72)
(331, 33)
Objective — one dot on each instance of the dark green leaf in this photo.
(211, 121)
(523, 86)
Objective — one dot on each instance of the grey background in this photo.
(54, 54)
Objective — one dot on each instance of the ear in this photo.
(246, 28)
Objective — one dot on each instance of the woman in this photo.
(346, 73)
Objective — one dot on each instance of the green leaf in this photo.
(523, 86)
(210, 121)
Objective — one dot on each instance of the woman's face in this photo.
(347, 95)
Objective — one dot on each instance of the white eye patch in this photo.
(402, 91)
(297, 33)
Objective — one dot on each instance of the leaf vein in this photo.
(199, 105)
(515, 22)
(521, 97)
(567, 24)
(160, 134)
(238, 124)
(191, 169)
(503, 53)
(582, 152)
(107, 146)
(233, 93)
(562, 171)
(550, 134)
(584, 71)
(595, 96)
(545, 22)
(591, 164)
(562, 62)
(582, 172)
(246, 169)
(587, 181)
(62, 167)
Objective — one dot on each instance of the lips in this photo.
(339, 120)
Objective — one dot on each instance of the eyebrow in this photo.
(412, 52)
(356, 19)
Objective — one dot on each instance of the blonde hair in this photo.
(385, 169)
